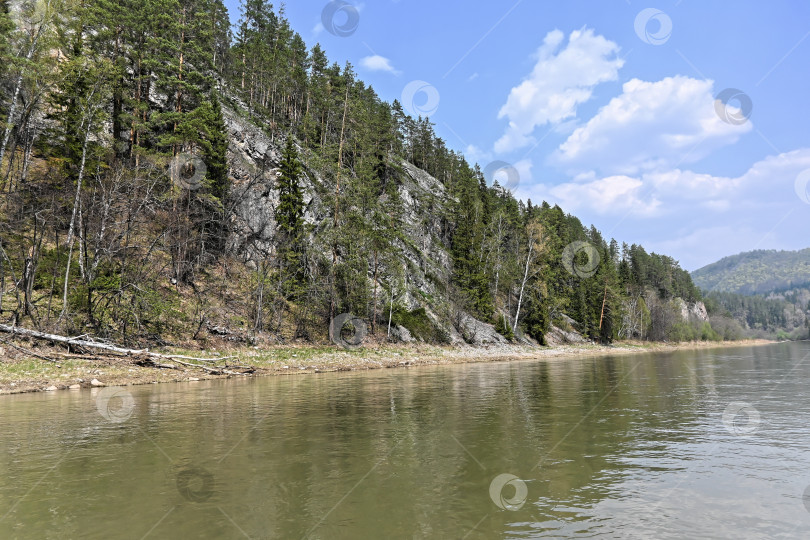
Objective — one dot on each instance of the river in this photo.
(707, 443)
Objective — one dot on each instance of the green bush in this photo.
(503, 328)
(682, 331)
(420, 325)
(707, 333)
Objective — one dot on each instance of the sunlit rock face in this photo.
(254, 159)
(696, 311)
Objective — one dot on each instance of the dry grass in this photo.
(21, 372)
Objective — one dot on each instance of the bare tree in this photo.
(535, 245)
(37, 30)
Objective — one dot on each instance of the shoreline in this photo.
(29, 374)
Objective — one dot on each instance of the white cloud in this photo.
(650, 126)
(704, 245)
(696, 217)
(686, 195)
(524, 169)
(562, 79)
(717, 205)
(774, 176)
(477, 155)
(691, 185)
(768, 182)
(378, 63)
(614, 194)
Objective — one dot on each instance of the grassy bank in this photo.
(21, 372)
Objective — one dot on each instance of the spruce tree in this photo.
(6, 26)
(469, 271)
(290, 222)
(213, 138)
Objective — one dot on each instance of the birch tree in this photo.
(535, 245)
(29, 40)
(92, 113)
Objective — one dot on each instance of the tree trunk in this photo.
(28, 281)
(2, 283)
(29, 144)
(71, 229)
(337, 207)
(18, 86)
(83, 343)
(391, 310)
(523, 283)
(179, 97)
(602, 314)
(11, 112)
(374, 308)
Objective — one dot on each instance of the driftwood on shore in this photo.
(141, 356)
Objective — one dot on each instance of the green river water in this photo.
(711, 443)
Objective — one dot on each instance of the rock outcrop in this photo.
(692, 312)
(566, 335)
(422, 252)
(255, 158)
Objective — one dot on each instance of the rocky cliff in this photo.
(254, 159)
(692, 312)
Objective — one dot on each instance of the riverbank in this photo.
(22, 372)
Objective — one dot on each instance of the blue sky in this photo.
(609, 109)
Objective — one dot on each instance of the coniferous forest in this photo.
(216, 238)
(106, 231)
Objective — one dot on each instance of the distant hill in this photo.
(756, 272)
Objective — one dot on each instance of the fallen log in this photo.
(177, 356)
(151, 362)
(26, 351)
(152, 356)
(107, 357)
(214, 371)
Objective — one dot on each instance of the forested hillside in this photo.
(163, 180)
(756, 272)
(766, 291)
(782, 315)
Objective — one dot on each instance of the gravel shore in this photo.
(20, 372)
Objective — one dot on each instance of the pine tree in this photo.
(212, 137)
(291, 248)
(503, 328)
(28, 64)
(315, 106)
(469, 272)
(537, 320)
(6, 26)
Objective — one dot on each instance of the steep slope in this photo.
(422, 250)
(271, 192)
(756, 272)
(254, 164)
